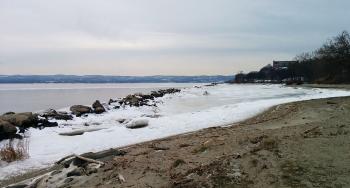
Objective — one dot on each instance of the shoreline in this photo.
(273, 119)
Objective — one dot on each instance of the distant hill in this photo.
(110, 79)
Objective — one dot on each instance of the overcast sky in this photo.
(161, 37)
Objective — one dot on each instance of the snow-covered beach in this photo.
(189, 110)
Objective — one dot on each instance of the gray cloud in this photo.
(139, 37)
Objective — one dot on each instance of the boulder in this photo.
(98, 107)
(22, 120)
(51, 113)
(7, 130)
(139, 123)
(79, 110)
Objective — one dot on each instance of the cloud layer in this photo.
(177, 37)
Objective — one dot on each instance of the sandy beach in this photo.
(300, 144)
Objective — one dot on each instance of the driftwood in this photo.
(89, 160)
(64, 158)
(311, 130)
(91, 155)
(121, 178)
(157, 147)
(79, 132)
(103, 154)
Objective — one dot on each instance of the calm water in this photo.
(36, 97)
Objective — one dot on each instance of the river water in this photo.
(36, 97)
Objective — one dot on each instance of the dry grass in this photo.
(15, 150)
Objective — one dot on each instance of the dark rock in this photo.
(21, 120)
(99, 110)
(91, 170)
(132, 100)
(7, 130)
(111, 101)
(79, 110)
(76, 172)
(98, 107)
(51, 113)
(46, 123)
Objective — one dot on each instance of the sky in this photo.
(161, 37)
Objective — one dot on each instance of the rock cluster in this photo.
(143, 99)
(13, 123)
(72, 169)
(10, 123)
(80, 110)
(53, 114)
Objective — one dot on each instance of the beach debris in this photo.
(158, 147)
(98, 107)
(79, 110)
(236, 155)
(184, 145)
(88, 160)
(95, 155)
(313, 132)
(178, 162)
(121, 178)
(138, 123)
(331, 102)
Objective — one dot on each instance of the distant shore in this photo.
(291, 145)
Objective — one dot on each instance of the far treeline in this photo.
(329, 64)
